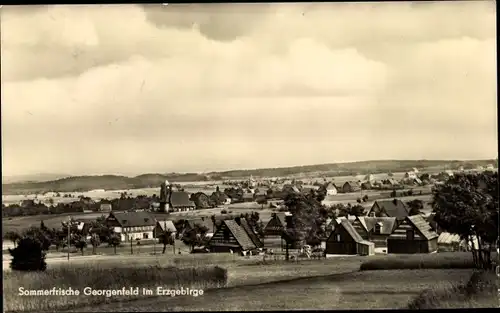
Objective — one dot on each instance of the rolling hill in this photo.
(118, 182)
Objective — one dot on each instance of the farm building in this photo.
(230, 236)
(289, 188)
(375, 229)
(179, 201)
(276, 224)
(309, 189)
(448, 242)
(345, 240)
(105, 207)
(331, 189)
(162, 226)
(200, 200)
(132, 225)
(366, 185)
(350, 186)
(389, 208)
(248, 197)
(413, 235)
(204, 222)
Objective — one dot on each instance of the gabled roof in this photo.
(422, 226)
(330, 186)
(351, 231)
(253, 236)
(387, 223)
(393, 208)
(282, 218)
(180, 199)
(134, 219)
(352, 183)
(167, 225)
(240, 235)
(447, 238)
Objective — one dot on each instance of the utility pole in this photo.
(131, 246)
(154, 239)
(69, 224)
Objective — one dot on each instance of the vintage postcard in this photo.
(259, 156)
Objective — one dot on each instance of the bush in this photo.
(420, 261)
(479, 291)
(101, 277)
(28, 256)
(223, 212)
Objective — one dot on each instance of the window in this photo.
(145, 235)
(338, 237)
(410, 234)
(377, 229)
(372, 214)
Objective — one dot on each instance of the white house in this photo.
(331, 189)
(411, 175)
(132, 225)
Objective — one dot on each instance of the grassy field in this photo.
(363, 290)
(100, 278)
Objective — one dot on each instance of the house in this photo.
(375, 229)
(308, 189)
(345, 240)
(204, 222)
(132, 225)
(106, 207)
(179, 201)
(200, 200)
(415, 170)
(366, 185)
(410, 175)
(413, 235)
(162, 226)
(277, 224)
(230, 236)
(331, 189)
(250, 232)
(448, 242)
(390, 208)
(490, 167)
(350, 186)
(289, 188)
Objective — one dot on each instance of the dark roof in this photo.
(248, 229)
(282, 218)
(423, 227)
(393, 208)
(387, 223)
(240, 235)
(134, 219)
(180, 199)
(351, 231)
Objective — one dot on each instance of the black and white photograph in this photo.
(249, 156)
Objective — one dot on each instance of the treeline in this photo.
(124, 203)
(114, 182)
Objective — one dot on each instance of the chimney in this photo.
(238, 220)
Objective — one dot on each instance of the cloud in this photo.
(316, 82)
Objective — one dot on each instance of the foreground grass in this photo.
(481, 291)
(103, 278)
(447, 260)
(359, 290)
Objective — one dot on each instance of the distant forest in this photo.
(116, 182)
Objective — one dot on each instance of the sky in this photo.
(122, 89)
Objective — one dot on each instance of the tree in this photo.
(357, 210)
(195, 236)
(415, 206)
(467, 205)
(12, 236)
(28, 255)
(40, 235)
(167, 238)
(80, 243)
(95, 241)
(114, 240)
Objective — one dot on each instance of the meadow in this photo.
(251, 283)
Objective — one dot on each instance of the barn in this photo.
(413, 235)
(230, 236)
(350, 186)
(179, 201)
(389, 208)
(277, 224)
(375, 229)
(345, 240)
